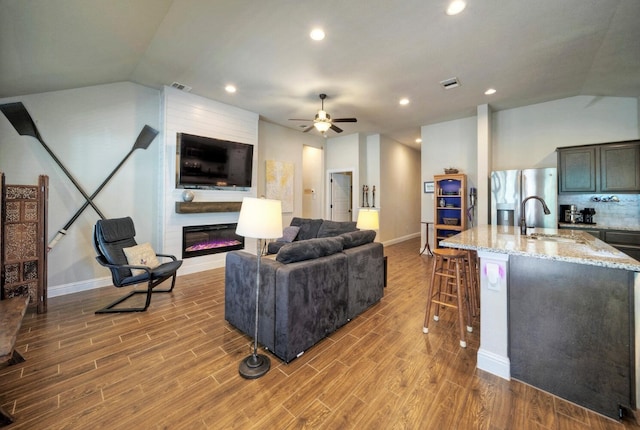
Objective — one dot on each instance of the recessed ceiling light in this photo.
(418, 140)
(317, 34)
(230, 88)
(490, 91)
(455, 7)
(404, 101)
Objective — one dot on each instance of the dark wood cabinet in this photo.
(620, 167)
(602, 168)
(577, 168)
(627, 241)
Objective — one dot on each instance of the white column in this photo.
(493, 354)
(484, 165)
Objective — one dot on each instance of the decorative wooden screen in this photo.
(24, 249)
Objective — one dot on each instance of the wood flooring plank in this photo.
(175, 366)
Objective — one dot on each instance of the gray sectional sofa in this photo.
(309, 289)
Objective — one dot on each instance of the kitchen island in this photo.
(558, 312)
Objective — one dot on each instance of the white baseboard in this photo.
(494, 364)
(401, 239)
(90, 284)
(188, 267)
(76, 287)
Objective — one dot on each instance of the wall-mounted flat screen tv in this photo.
(212, 164)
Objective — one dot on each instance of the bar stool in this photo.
(449, 287)
(474, 281)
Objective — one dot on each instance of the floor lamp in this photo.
(259, 219)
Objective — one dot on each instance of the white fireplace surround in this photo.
(188, 113)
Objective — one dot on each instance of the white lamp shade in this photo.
(368, 219)
(260, 218)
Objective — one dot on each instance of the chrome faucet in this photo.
(523, 221)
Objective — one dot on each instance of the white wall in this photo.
(313, 192)
(528, 136)
(342, 154)
(284, 144)
(90, 130)
(400, 191)
(447, 144)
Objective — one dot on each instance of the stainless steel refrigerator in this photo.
(510, 187)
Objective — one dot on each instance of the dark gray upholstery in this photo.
(311, 302)
(240, 295)
(309, 249)
(308, 227)
(366, 277)
(335, 228)
(312, 229)
(307, 299)
(357, 238)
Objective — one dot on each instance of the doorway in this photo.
(341, 206)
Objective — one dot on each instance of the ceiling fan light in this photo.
(322, 127)
(455, 7)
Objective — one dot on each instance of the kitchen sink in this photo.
(555, 238)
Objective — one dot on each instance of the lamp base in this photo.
(254, 366)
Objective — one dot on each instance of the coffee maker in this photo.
(570, 214)
(587, 215)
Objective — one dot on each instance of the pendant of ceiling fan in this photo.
(323, 121)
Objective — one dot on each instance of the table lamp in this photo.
(259, 219)
(368, 219)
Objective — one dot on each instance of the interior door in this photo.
(341, 192)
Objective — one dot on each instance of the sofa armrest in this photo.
(240, 295)
(366, 277)
(311, 302)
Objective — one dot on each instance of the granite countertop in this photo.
(599, 226)
(573, 246)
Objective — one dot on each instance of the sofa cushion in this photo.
(309, 249)
(336, 228)
(357, 238)
(308, 227)
(289, 234)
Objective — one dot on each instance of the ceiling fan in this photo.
(323, 122)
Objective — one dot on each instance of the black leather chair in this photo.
(110, 237)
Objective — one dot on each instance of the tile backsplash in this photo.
(625, 213)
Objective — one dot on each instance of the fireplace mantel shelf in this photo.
(204, 207)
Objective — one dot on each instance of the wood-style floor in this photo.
(176, 367)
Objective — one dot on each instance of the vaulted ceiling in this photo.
(374, 53)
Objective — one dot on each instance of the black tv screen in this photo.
(209, 163)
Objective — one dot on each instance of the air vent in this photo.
(181, 87)
(447, 84)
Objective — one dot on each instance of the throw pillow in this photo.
(309, 249)
(289, 234)
(308, 227)
(336, 228)
(357, 238)
(141, 255)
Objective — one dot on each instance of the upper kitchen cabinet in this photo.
(604, 168)
(577, 169)
(620, 167)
